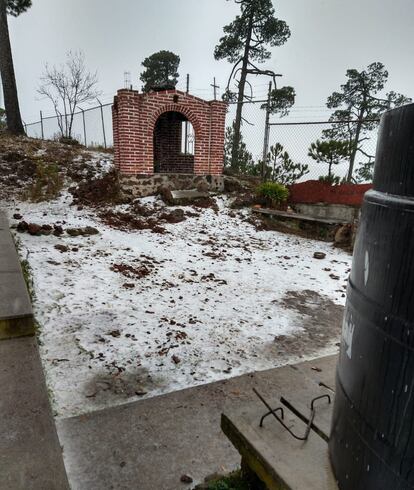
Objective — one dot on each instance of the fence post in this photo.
(267, 130)
(41, 125)
(84, 126)
(103, 122)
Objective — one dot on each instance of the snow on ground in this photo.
(211, 306)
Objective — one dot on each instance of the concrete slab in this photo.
(16, 316)
(274, 455)
(188, 195)
(299, 217)
(322, 374)
(280, 461)
(14, 298)
(151, 443)
(30, 453)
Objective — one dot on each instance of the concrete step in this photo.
(151, 443)
(270, 451)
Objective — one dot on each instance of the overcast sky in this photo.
(328, 36)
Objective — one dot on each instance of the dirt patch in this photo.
(128, 222)
(205, 203)
(21, 157)
(246, 199)
(104, 190)
(322, 321)
(175, 216)
(131, 272)
(149, 218)
(121, 384)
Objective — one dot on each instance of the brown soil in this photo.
(133, 272)
(104, 190)
(128, 222)
(205, 203)
(21, 156)
(321, 325)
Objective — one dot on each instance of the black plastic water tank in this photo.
(372, 438)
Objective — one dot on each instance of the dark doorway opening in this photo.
(174, 144)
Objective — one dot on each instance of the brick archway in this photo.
(170, 144)
(134, 119)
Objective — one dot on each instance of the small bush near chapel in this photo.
(47, 183)
(273, 193)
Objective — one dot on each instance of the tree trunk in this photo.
(354, 151)
(11, 101)
(242, 85)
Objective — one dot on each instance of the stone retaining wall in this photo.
(147, 185)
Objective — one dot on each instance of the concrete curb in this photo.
(16, 315)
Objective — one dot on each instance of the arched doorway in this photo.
(174, 144)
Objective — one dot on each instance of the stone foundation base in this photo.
(148, 185)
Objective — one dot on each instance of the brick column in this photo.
(115, 131)
(130, 151)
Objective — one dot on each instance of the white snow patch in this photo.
(216, 326)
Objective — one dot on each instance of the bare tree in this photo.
(67, 86)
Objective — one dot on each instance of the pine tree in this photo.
(245, 161)
(279, 167)
(161, 70)
(332, 152)
(11, 100)
(245, 42)
(359, 106)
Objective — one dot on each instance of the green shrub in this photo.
(273, 193)
(47, 182)
(234, 481)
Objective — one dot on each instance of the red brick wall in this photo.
(314, 191)
(134, 119)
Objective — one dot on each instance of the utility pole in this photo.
(267, 131)
(215, 87)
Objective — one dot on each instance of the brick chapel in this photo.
(168, 132)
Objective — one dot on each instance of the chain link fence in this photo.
(91, 127)
(296, 137)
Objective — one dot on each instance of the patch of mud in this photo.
(123, 384)
(321, 326)
(102, 190)
(132, 272)
(205, 203)
(128, 222)
(151, 219)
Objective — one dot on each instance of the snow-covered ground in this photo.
(205, 301)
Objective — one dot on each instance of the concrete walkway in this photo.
(30, 453)
(16, 316)
(150, 444)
